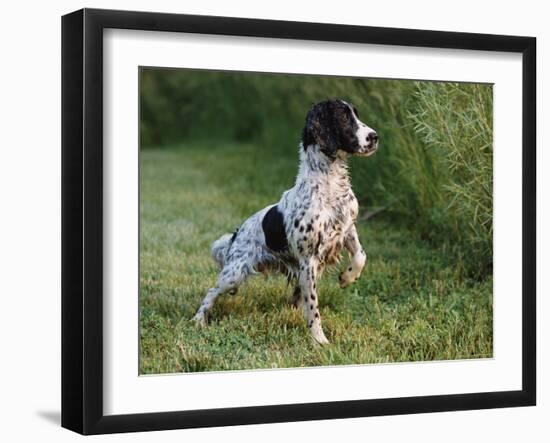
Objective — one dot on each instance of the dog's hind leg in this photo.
(229, 279)
(296, 300)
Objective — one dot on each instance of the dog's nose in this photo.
(372, 137)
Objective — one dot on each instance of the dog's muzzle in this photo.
(371, 146)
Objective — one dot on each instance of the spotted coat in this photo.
(312, 222)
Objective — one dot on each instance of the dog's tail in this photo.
(220, 248)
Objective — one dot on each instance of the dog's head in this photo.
(334, 125)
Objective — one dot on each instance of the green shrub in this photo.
(455, 123)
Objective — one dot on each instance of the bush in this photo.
(455, 123)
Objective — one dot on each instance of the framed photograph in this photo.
(268, 221)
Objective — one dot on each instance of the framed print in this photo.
(269, 221)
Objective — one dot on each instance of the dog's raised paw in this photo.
(344, 280)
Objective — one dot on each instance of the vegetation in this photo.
(216, 147)
(455, 123)
(434, 169)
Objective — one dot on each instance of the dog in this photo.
(312, 222)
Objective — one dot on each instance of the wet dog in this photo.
(312, 222)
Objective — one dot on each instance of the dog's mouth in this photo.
(367, 152)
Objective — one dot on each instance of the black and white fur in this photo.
(307, 229)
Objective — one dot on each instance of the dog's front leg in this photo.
(308, 290)
(357, 256)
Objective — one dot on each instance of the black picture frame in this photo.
(82, 220)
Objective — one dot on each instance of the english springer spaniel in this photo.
(306, 230)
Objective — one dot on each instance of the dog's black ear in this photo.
(320, 128)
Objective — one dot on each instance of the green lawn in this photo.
(411, 303)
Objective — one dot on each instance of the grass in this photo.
(413, 302)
